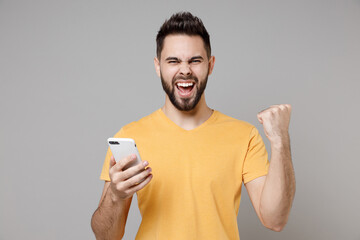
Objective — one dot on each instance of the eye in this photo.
(195, 61)
(172, 61)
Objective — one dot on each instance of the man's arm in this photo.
(109, 219)
(272, 195)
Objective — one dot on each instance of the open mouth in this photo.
(185, 89)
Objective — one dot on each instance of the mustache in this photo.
(191, 77)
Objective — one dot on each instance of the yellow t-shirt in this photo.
(197, 175)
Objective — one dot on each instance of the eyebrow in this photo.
(177, 59)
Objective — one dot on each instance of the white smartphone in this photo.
(123, 147)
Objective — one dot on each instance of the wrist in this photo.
(280, 142)
(115, 199)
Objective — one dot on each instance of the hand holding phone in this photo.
(127, 172)
(121, 148)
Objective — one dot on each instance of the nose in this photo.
(185, 69)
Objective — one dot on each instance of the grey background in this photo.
(74, 72)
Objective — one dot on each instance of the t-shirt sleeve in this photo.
(105, 169)
(256, 162)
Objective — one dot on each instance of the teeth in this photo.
(185, 84)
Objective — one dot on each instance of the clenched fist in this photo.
(275, 121)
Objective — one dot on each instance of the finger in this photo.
(263, 110)
(288, 107)
(142, 184)
(112, 161)
(282, 107)
(125, 161)
(111, 165)
(275, 109)
(137, 179)
(132, 171)
(259, 118)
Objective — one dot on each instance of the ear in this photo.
(157, 66)
(211, 64)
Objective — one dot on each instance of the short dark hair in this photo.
(183, 23)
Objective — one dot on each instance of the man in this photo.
(199, 157)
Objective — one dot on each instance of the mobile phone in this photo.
(123, 147)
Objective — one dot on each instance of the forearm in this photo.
(279, 188)
(108, 221)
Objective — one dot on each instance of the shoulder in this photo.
(138, 126)
(235, 124)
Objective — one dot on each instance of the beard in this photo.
(184, 104)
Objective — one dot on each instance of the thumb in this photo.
(260, 118)
(112, 161)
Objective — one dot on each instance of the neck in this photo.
(188, 120)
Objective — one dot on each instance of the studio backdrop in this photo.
(72, 73)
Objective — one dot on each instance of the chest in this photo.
(182, 165)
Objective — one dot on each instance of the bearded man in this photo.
(196, 158)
